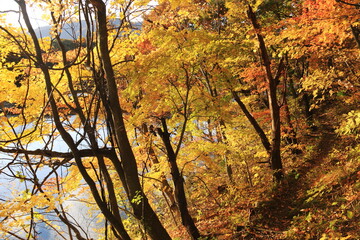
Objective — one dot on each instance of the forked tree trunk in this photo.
(275, 157)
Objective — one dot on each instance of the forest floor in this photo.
(319, 195)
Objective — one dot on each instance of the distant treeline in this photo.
(68, 44)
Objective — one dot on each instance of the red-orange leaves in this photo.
(145, 47)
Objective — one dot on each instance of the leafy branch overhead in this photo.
(221, 119)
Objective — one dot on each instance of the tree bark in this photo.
(165, 186)
(90, 131)
(254, 123)
(64, 134)
(186, 218)
(356, 33)
(142, 210)
(275, 157)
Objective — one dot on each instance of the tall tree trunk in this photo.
(221, 137)
(143, 210)
(90, 131)
(356, 33)
(254, 123)
(66, 136)
(275, 157)
(186, 218)
(165, 186)
(291, 138)
(307, 112)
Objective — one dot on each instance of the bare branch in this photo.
(54, 154)
(10, 11)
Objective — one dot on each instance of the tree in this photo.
(168, 123)
(87, 109)
(273, 81)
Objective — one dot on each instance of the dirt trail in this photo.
(272, 218)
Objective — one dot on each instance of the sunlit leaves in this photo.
(182, 66)
(351, 124)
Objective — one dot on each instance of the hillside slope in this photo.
(318, 198)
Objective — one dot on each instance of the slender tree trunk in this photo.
(275, 157)
(291, 138)
(165, 186)
(64, 134)
(307, 112)
(254, 123)
(94, 145)
(221, 137)
(291, 131)
(142, 210)
(356, 33)
(186, 218)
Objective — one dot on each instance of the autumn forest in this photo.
(169, 119)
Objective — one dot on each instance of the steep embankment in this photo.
(319, 197)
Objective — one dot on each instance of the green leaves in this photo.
(137, 199)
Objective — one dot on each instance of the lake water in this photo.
(77, 210)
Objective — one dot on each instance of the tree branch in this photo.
(347, 3)
(106, 152)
